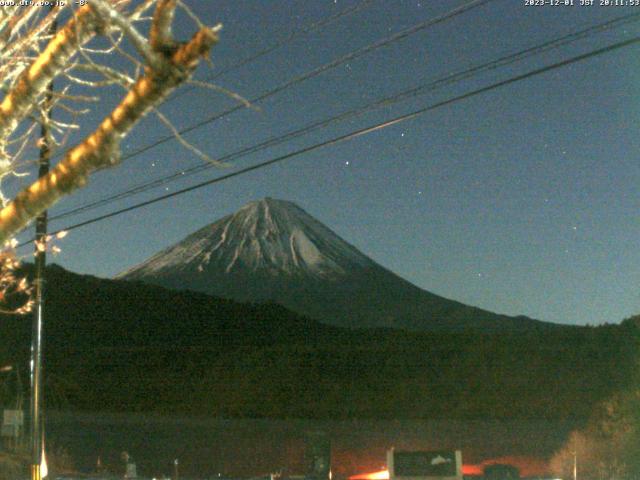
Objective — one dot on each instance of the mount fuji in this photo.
(273, 251)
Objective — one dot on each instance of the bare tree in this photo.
(31, 58)
(606, 448)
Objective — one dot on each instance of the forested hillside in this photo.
(121, 346)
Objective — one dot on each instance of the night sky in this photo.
(522, 200)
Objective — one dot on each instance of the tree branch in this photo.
(101, 148)
(34, 80)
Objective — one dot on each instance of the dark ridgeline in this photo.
(272, 250)
(113, 345)
(116, 346)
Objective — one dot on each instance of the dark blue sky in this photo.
(523, 200)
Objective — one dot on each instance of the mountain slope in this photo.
(272, 250)
(126, 346)
(270, 236)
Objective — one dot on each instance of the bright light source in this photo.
(381, 475)
(44, 470)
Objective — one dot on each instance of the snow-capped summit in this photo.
(272, 250)
(266, 236)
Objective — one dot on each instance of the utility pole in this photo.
(37, 419)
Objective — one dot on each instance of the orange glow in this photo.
(472, 470)
(381, 475)
(384, 474)
(528, 466)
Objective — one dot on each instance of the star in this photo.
(347, 163)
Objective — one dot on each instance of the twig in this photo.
(185, 143)
(227, 92)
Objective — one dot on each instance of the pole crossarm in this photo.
(101, 149)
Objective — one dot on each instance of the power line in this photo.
(360, 132)
(323, 68)
(314, 26)
(410, 93)
(287, 39)
(317, 71)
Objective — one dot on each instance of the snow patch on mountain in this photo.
(267, 236)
